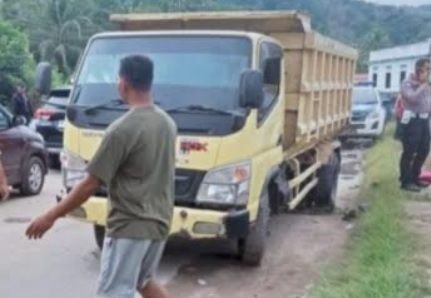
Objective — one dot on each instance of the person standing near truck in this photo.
(21, 104)
(136, 160)
(416, 94)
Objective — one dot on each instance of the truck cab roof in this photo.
(232, 33)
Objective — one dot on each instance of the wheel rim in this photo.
(35, 177)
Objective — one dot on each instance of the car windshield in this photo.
(365, 96)
(189, 70)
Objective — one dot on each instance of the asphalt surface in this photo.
(66, 262)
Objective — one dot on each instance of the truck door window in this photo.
(270, 65)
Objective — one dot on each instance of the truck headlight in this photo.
(73, 168)
(228, 185)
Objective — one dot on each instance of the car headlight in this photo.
(228, 185)
(374, 115)
(73, 168)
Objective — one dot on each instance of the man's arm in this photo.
(79, 195)
(4, 187)
(411, 94)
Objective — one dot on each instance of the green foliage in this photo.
(16, 65)
(59, 29)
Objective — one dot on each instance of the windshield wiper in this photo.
(106, 105)
(200, 108)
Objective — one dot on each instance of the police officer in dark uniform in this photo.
(416, 93)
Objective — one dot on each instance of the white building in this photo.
(389, 67)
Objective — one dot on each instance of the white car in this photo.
(368, 117)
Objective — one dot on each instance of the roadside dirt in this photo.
(299, 246)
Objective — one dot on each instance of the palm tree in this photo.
(58, 29)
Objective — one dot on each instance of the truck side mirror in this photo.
(43, 79)
(251, 89)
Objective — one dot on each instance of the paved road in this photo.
(65, 264)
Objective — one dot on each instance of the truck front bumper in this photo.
(187, 222)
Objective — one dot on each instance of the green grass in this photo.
(379, 260)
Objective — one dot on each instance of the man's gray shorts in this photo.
(127, 265)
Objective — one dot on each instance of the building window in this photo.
(403, 75)
(388, 80)
(375, 79)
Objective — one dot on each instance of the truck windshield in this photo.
(188, 70)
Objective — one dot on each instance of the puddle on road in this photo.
(18, 220)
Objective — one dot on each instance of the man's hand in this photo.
(40, 226)
(4, 192)
(74, 199)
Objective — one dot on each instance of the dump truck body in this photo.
(240, 156)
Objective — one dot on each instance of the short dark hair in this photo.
(138, 71)
(421, 63)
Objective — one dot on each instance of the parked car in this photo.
(24, 154)
(368, 117)
(49, 122)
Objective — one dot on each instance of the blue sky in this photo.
(401, 2)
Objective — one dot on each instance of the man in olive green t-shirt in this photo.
(136, 160)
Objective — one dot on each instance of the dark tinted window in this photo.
(374, 79)
(270, 65)
(388, 80)
(403, 75)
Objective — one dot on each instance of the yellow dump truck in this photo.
(259, 99)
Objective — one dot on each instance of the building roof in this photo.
(402, 52)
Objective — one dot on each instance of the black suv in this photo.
(49, 122)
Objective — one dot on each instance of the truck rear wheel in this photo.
(99, 235)
(324, 194)
(252, 248)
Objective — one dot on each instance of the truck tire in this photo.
(33, 177)
(252, 248)
(324, 194)
(99, 235)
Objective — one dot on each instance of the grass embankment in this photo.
(379, 262)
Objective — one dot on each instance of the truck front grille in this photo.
(187, 184)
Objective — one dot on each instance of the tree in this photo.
(58, 29)
(16, 65)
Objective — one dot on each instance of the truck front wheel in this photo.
(252, 248)
(99, 235)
